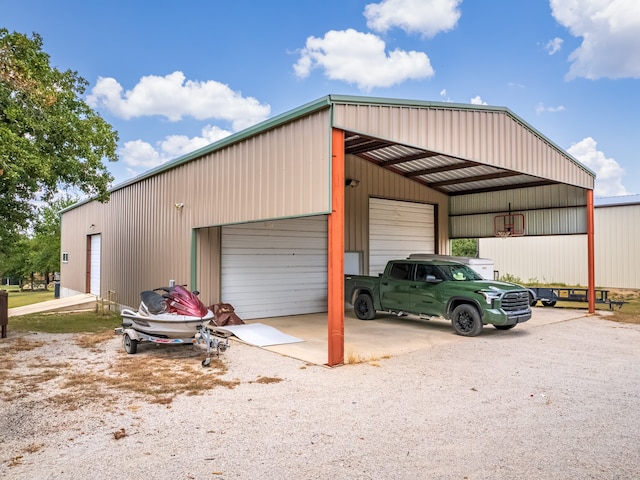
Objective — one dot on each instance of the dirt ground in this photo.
(546, 401)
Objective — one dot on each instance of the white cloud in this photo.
(443, 92)
(609, 173)
(477, 100)
(174, 97)
(554, 45)
(360, 58)
(540, 108)
(427, 17)
(143, 155)
(610, 31)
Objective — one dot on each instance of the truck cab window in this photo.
(400, 271)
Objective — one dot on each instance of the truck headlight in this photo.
(490, 295)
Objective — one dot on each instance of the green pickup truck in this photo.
(439, 288)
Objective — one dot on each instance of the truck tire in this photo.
(363, 307)
(505, 327)
(466, 320)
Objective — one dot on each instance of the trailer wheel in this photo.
(363, 307)
(466, 320)
(549, 303)
(130, 345)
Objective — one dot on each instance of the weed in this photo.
(266, 380)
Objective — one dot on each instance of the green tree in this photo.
(50, 139)
(464, 247)
(44, 255)
(16, 262)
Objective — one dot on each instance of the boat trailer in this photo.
(131, 337)
(549, 296)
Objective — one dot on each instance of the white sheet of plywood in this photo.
(259, 334)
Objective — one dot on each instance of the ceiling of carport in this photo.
(444, 173)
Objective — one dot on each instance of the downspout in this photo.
(335, 252)
(591, 281)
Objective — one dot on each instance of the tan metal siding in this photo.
(208, 264)
(146, 240)
(378, 182)
(492, 137)
(563, 259)
(550, 210)
(281, 173)
(556, 259)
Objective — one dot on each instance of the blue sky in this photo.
(175, 76)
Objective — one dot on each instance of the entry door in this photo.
(93, 261)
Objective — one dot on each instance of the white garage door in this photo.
(398, 229)
(94, 277)
(275, 268)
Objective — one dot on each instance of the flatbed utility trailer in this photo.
(131, 337)
(549, 296)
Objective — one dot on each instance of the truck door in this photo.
(396, 287)
(426, 294)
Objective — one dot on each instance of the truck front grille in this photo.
(515, 301)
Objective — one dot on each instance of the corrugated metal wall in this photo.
(548, 210)
(380, 183)
(146, 240)
(563, 259)
(490, 136)
(208, 264)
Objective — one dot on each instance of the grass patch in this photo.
(20, 299)
(70, 322)
(157, 377)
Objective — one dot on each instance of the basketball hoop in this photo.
(503, 234)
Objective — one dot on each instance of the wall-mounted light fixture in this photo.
(351, 182)
(179, 206)
(92, 225)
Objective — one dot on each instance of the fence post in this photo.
(4, 311)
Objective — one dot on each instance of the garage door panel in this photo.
(398, 229)
(275, 268)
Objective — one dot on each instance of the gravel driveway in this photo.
(550, 401)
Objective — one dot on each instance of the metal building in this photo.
(268, 219)
(560, 259)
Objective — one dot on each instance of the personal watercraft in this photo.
(176, 313)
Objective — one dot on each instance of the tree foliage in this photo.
(38, 252)
(464, 247)
(50, 139)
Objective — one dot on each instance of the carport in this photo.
(486, 160)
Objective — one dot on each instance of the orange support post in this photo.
(591, 281)
(335, 249)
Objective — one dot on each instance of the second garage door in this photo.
(275, 268)
(398, 229)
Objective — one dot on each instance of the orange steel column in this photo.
(335, 249)
(591, 281)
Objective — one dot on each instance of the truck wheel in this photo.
(363, 307)
(466, 320)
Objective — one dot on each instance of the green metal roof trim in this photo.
(320, 104)
(281, 119)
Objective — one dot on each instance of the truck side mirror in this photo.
(432, 279)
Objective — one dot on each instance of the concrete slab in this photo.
(387, 335)
(75, 302)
